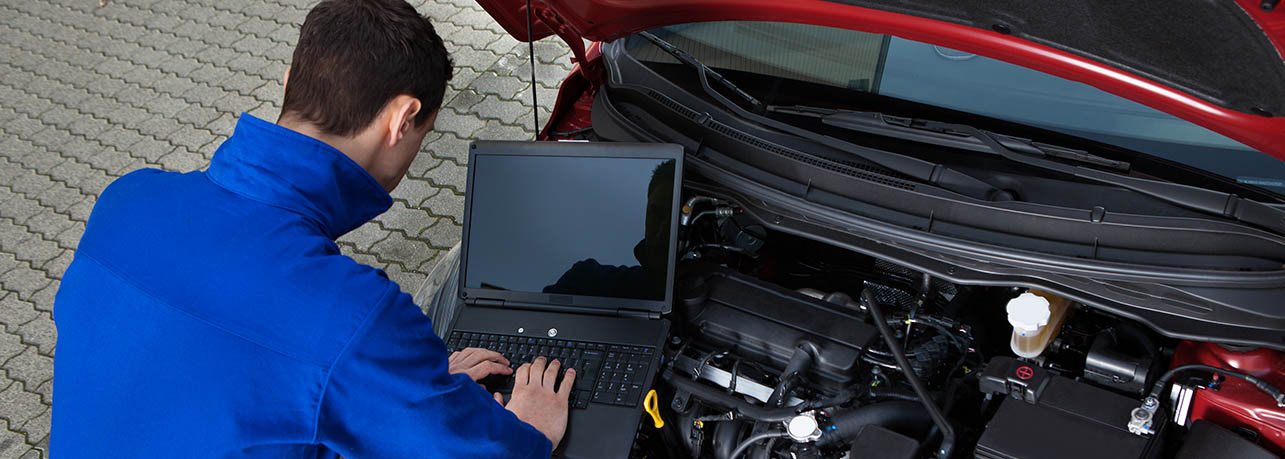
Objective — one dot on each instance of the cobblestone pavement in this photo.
(89, 93)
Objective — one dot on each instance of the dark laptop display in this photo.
(568, 253)
(571, 225)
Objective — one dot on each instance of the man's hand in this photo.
(478, 363)
(534, 400)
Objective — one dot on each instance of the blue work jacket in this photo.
(210, 314)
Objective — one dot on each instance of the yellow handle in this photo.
(653, 408)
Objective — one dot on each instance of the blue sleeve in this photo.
(389, 395)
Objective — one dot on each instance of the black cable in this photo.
(948, 433)
(1262, 385)
(749, 442)
(535, 104)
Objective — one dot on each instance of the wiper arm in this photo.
(690, 61)
(1031, 153)
(938, 133)
(1203, 200)
(925, 171)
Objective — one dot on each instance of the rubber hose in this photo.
(900, 416)
(947, 432)
(749, 442)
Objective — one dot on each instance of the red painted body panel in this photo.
(599, 20)
(1237, 403)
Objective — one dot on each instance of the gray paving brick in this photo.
(505, 111)
(58, 265)
(24, 281)
(442, 234)
(23, 405)
(408, 220)
(364, 236)
(10, 346)
(12, 444)
(36, 251)
(44, 298)
(59, 197)
(37, 427)
(363, 258)
(184, 160)
(149, 148)
(30, 183)
(40, 333)
(406, 279)
(445, 204)
(70, 237)
(46, 391)
(20, 209)
(447, 147)
(48, 223)
(506, 87)
(15, 312)
(193, 139)
(80, 211)
(462, 125)
(30, 367)
(497, 131)
(402, 249)
(414, 190)
(449, 175)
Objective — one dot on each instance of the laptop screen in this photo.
(571, 225)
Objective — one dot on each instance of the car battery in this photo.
(1048, 416)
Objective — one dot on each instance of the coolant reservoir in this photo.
(1036, 318)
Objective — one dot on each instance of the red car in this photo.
(990, 228)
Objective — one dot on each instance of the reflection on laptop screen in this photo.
(570, 225)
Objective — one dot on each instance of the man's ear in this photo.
(404, 108)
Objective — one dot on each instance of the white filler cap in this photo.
(801, 428)
(1028, 313)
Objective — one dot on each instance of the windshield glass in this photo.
(904, 69)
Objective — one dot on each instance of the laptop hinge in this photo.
(486, 302)
(637, 314)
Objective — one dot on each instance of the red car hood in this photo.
(1216, 63)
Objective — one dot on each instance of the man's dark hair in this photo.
(354, 56)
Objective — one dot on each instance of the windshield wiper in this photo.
(938, 133)
(1203, 200)
(918, 169)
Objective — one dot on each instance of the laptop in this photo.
(569, 252)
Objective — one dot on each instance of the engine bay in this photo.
(785, 347)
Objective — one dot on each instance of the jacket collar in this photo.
(283, 168)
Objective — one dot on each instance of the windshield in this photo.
(904, 69)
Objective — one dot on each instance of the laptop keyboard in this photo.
(609, 374)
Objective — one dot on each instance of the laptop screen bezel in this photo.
(656, 151)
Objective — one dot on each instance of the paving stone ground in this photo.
(89, 93)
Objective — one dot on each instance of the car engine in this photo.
(785, 347)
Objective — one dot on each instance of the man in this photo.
(211, 313)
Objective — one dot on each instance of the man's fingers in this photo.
(458, 356)
(499, 398)
(551, 373)
(485, 369)
(478, 355)
(522, 376)
(568, 381)
(537, 372)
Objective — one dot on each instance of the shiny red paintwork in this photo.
(599, 20)
(1237, 403)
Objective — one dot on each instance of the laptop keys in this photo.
(605, 373)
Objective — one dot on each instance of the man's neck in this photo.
(352, 147)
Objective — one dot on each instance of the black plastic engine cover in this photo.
(763, 322)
